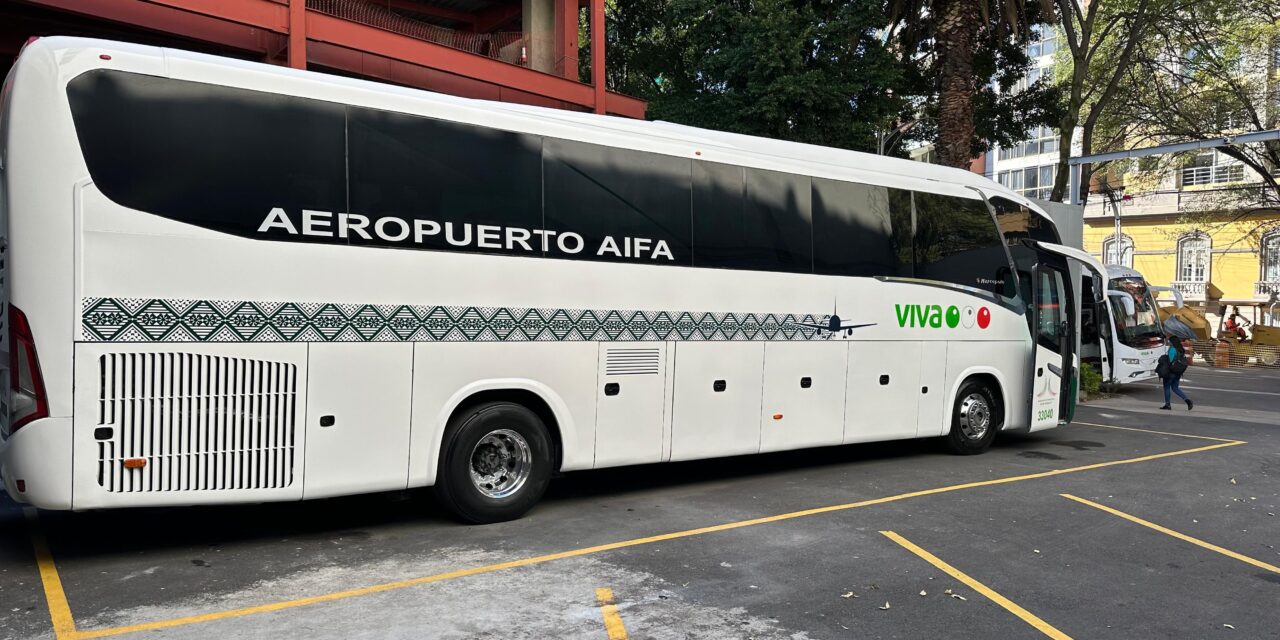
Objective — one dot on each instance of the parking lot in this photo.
(1132, 522)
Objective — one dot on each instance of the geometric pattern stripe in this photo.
(156, 320)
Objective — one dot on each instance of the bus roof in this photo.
(1120, 271)
(805, 159)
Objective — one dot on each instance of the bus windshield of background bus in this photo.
(1142, 329)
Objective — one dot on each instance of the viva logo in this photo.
(933, 316)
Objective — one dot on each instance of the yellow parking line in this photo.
(1163, 433)
(524, 562)
(1009, 605)
(1181, 536)
(612, 621)
(64, 625)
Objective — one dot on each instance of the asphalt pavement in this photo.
(1131, 522)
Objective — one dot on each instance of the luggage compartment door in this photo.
(630, 395)
(357, 418)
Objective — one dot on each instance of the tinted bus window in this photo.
(213, 156)
(778, 206)
(629, 206)
(751, 219)
(481, 186)
(956, 241)
(853, 231)
(902, 214)
(1018, 223)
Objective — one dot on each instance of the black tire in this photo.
(503, 427)
(975, 401)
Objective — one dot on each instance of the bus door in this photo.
(1095, 329)
(1054, 331)
(1052, 395)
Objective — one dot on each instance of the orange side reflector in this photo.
(777, 416)
(135, 463)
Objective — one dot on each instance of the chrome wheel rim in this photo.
(500, 463)
(975, 416)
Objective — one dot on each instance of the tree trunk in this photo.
(1062, 176)
(1086, 170)
(1067, 127)
(959, 22)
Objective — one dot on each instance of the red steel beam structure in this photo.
(266, 27)
(298, 34)
(597, 54)
(566, 36)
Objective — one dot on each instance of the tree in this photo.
(814, 71)
(1208, 70)
(949, 34)
(1101, 37)
(818, 71)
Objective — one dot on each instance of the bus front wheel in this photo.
(496, 463)
(974, 419)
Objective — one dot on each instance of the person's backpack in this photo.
(1179, 366)
(1162, 366)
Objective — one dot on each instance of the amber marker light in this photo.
(135, 463)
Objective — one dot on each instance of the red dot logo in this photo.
(984, 317)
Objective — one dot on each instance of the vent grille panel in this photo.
(198, 422)
(633, 362)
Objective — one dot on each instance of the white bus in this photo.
(235, 282)
(1123, 336)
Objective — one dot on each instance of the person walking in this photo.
(1171, 367)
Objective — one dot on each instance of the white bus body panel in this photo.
(165, 412)
(884, 387)
(357, 418)
(710, 423)
(629, 416)
(811, 416)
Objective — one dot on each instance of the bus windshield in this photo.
(1142, 328)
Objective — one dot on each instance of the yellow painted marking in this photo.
(524, 562)
(64, 626)
(1009, 605)
(1181, 536)
(612, 621)
(1163, 433)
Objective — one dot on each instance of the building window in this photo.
(1193, 258)
(1044, 41)
(1212, 167)
(1118, 253)
(1032, 182)
(1042, 140)
(1271, 257)
(1034, 73)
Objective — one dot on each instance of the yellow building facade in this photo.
(1217, 259)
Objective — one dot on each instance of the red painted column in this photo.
(597, 53)
(298, 34)
(567, 39)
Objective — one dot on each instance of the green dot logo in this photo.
(953, 317)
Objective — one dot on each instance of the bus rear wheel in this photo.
(496, 463)
(974, 420)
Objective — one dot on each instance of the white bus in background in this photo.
(1123, 337)
(234, 282)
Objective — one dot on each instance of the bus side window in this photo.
(747, 218)
(853, 232)
(619, 195)
(414, 167)
(957, 242)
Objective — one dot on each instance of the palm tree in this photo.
(953, 30)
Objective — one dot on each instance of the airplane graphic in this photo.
(835, 325)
